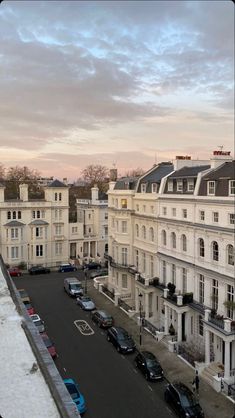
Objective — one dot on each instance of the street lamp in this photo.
(140, 311)
(85, 283)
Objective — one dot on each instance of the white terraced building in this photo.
(175, 224)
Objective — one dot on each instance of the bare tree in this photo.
(96, 174)
(135, 172)
(18, 175)
(2, 171)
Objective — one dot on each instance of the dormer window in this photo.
(179, 185)
(154, 188)
(170, 186)
(231, 187)
(190, 185)
(143, 188)
(211, 188)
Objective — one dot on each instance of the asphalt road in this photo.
(111, 385)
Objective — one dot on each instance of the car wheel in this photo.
(108, 337)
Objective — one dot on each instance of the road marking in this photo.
(64, 369)
(83, 327)
(123, 357)
(169, 410)
(150, 388)
(135, 371)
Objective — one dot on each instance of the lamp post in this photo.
(85, 283)
(140, 312)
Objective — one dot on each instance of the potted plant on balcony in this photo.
(171, 288)
(230, 304)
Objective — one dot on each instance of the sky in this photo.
(123, 84)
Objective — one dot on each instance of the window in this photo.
(60, 196)
(14, 214)
(38, 213)
(39, 250)
(154, 188)
(163, 237)
(173, 274)
(215, 251)
(143, 262)
(184, 280)
(151, 266)
(137, 230)
(232, 187)
(143, 230)
(200, 325)
(184, 213)
(164, 272)
(105, 230)
(215, 216)
(123, 203)
(89, 216)
(230, 255)
(124, 281)
(143, 188)
(184, 242)
(124, 256)
(151, 234)
(58, 248)
(74, 229)
(214, 294)
(232, 218)
(137, 208)
(230, 301)
(58, 230)
(14, 252)
(14, 233)
(19, 214)
(211, 188)
(56, 196)
(164, 210)
(202, 215)
(8, 215)
(38, 231)
(173, 240)
(170, 186)
(173, 211)
(190, 185)
(201, 288)
(137, 259)
(152, 209)
(124, 227)
(179, 185)
(106, 215)
(201, 247)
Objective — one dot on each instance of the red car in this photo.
(49, 345)
(29, 308)
(15, 272)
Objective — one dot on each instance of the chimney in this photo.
(220, 157)
(65, 181)
(94, 194)
(2, 188)
(24, 192)
(113, 174)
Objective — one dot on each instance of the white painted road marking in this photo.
(150, 388)
(83, 327)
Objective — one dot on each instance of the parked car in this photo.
(86, 303)
(149, 365)
(15, 272)
(92, 266)
(38, 322)
(29, 308)
(120, 338)
(39, 270)
(183, 401)
(102, 319)
(49, 345)
(76, 395)
(24, 295)
(101, 272)
(67, 267)
(73, 286)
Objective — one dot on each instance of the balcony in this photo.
(179, 300)
(155, 282)
(119, 265)
(225, 325)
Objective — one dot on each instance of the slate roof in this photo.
(155, 175)
(14, 223)
(126, 183)
(38, 222)
(188, 171)
(57, 183)
(225, 170)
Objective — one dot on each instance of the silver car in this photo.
(38, 322)
(86, 303)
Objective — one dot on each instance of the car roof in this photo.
(148, 355)
(103, 313)
(120, 330)
(181, 387)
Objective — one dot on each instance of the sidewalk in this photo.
(215, 405)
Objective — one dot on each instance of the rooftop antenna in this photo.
(220, 146)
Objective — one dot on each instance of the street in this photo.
(111, 385)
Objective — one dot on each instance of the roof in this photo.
(57, 183)
(126, 183)
(188, 171)
(155, 175)
(103, 196)
(224, 170)
(14, 223)
(38, 222)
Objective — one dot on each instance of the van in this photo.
(73, 287)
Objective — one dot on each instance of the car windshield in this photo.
(38, 322)
(152, 363)
(27, 305)
(75, 286)
(72, 390)
(123, 336)
(188, 400)
(86, 299)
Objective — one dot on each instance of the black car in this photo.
(183, 401)
(39, 270)
(120, 338)
(92, 266)
(102, 319)
(149, 365)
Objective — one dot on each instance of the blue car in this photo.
(76, 395)
(67, 267)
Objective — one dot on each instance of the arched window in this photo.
(14, 215)
(55, 196)
(151, 234)
(173, 240)
(143, 232)
(60, 196)
(201, 247)
(215, 251)
(8, 215)
(183, 242)
(163, 237)
(106, 248)
(137, 230)
(230, 255)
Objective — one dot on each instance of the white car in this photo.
(86, 303)
(38, 322)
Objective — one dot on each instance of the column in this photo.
(227, 360)
(166, 321)
(95, 248)
(137, 299)
(207, 346)
(179, 327)
(146, 308)
(89, 249)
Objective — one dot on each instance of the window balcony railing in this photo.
(183, 299)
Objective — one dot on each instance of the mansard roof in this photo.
(155, 174)
(188, 171)
(224, 170)
(126, 183)
(57, 183)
